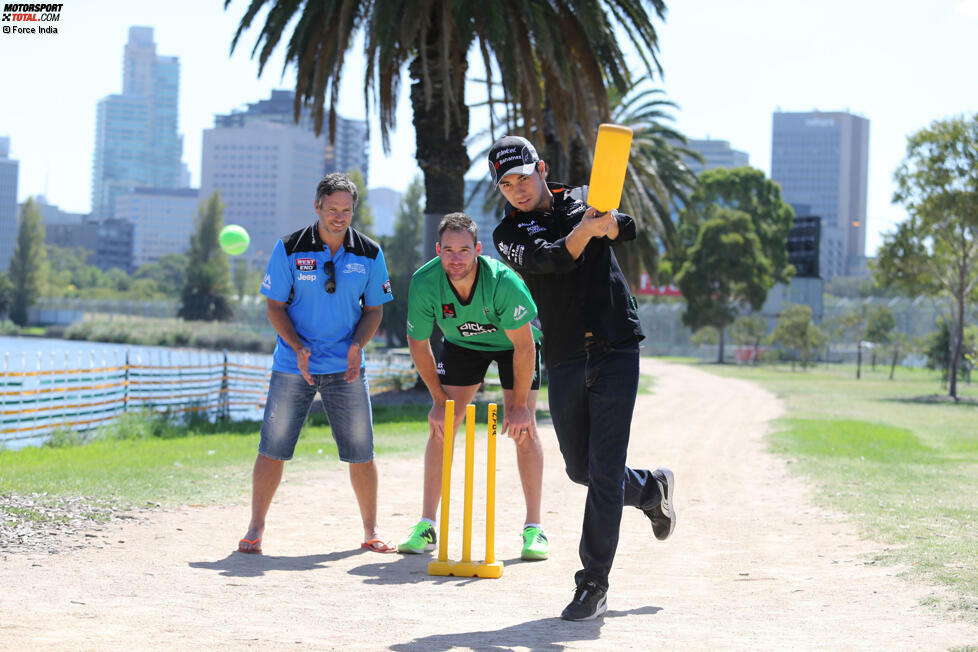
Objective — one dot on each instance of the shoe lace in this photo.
(583, 589)
(538, 536)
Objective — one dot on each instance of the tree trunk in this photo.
(570, 165)
(956, 342)
(441, 124)
(720, 346)
(859, 358)
(896, 354)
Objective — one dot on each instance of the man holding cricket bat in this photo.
(563, 249)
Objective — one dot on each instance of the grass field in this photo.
(145, 460)
(894, 455)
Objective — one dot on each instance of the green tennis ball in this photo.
(234, 240)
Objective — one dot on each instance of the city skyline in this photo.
(728, 67)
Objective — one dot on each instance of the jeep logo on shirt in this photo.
(305, 264)
(471, 329)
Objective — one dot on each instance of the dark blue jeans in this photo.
(591, 403)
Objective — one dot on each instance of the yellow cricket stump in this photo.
(443, 566)
(490, 568)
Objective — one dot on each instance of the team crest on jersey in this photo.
(448, 311)
(305, 264)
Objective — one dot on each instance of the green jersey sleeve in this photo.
(513, 303)
(421, 309)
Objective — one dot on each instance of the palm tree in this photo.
(658, 179)
(554, 56)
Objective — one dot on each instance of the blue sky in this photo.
(729, 65)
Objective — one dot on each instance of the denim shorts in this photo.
(347, 408)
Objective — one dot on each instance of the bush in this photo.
(147, 331)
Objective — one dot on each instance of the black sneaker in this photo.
(663, 515)
(589, 602)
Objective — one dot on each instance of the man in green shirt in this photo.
(484, 310)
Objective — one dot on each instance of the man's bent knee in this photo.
(578, 476)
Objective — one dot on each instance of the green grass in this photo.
(889, 453)
(145, 460)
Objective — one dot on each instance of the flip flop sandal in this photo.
(376, 545)
(252, 551)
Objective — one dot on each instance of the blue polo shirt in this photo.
(326, 322)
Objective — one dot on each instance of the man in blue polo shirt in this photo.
(325, 287)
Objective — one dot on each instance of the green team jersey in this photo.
(500, 301)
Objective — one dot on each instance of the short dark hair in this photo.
(335, 182)
(458, 222)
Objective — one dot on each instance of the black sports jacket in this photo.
(573, 297)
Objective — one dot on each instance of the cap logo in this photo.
(512, 154)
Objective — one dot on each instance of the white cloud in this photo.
(967, 8)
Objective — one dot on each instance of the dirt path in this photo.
(753, 564)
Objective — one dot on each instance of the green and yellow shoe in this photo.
(535, 544)
(421, 539)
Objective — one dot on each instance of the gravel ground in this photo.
(52, 524)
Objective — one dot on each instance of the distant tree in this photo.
(239, 277)
(749, 330)
(724, 272)
(707, 335)
(169, 271)
(935, 251)
(749, 191)
(880, 323)
(6, 295)
(64, 267)
(403, 254)
(28, 265)
(899, 344)
(938, 348)
(207, 287)
(363, 215)
(852, 327)
(796, 332)
(88, 276)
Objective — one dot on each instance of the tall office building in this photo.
(136, 138)
(348, 152)
(821, 161)
(385, 203)
(267, 173)
(9, 169)
(163, 219)
(716, 154)
(66, 229)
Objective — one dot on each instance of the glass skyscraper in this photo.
(136, 138)
(820, 161)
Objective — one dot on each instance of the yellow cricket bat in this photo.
(609, 167)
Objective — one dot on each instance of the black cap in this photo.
(511, 155)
